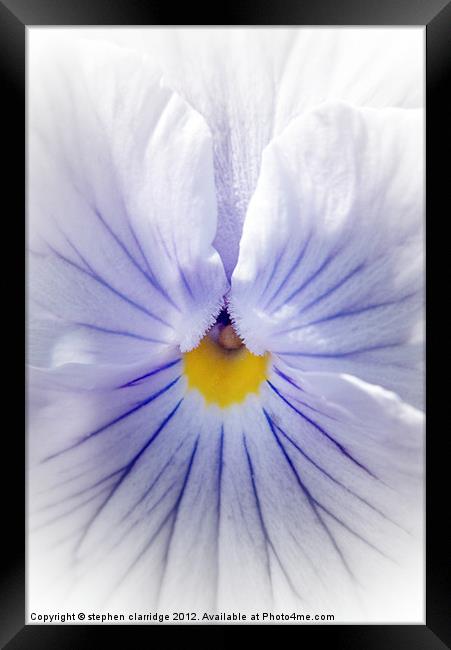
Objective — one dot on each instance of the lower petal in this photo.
(289, 500)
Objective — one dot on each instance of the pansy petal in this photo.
(88, 431)
(330, 271)
(392, 429)
(285, 501)
(249, 84)
(122, 208)
(362, 476)
(124, 487)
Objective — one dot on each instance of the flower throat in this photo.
(221, 368)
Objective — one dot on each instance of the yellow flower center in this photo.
(223, 374)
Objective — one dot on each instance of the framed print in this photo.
(225, 231)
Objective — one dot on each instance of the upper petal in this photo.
(249, 83)
(330, 270)
(122, 207)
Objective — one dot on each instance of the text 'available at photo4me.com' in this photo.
(177, 617)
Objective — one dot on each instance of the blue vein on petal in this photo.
(74, 495)
(95, 276)
(133, 382)
(168, 253)
(105, 330)
(155, 481)
(309, 280)
(218, 507)
(334, 288)
(349, 313)
(145, 516)
(267, 538)
(273, 271)
(131, 510)
(311, 501)
(333, 355)
(103, 480)
(180, 268)
(172, 512)
(292, 268)
(150, 277)
(324, 265)
(313, 276)
(175, 510)
(156, 286)
(292, 383)
(145, 494)
(62, 515)
(127, 469)
(315, 505)
(115, 420)
(331, 290)
(343, 450)
(302, 451)
(153, 280)
(287, 378)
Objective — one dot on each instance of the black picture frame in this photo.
(15, 16)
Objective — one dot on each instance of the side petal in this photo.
(122, 208)
(330, 271)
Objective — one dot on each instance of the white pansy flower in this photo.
(225, 321)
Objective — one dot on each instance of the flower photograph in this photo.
(225, 325)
